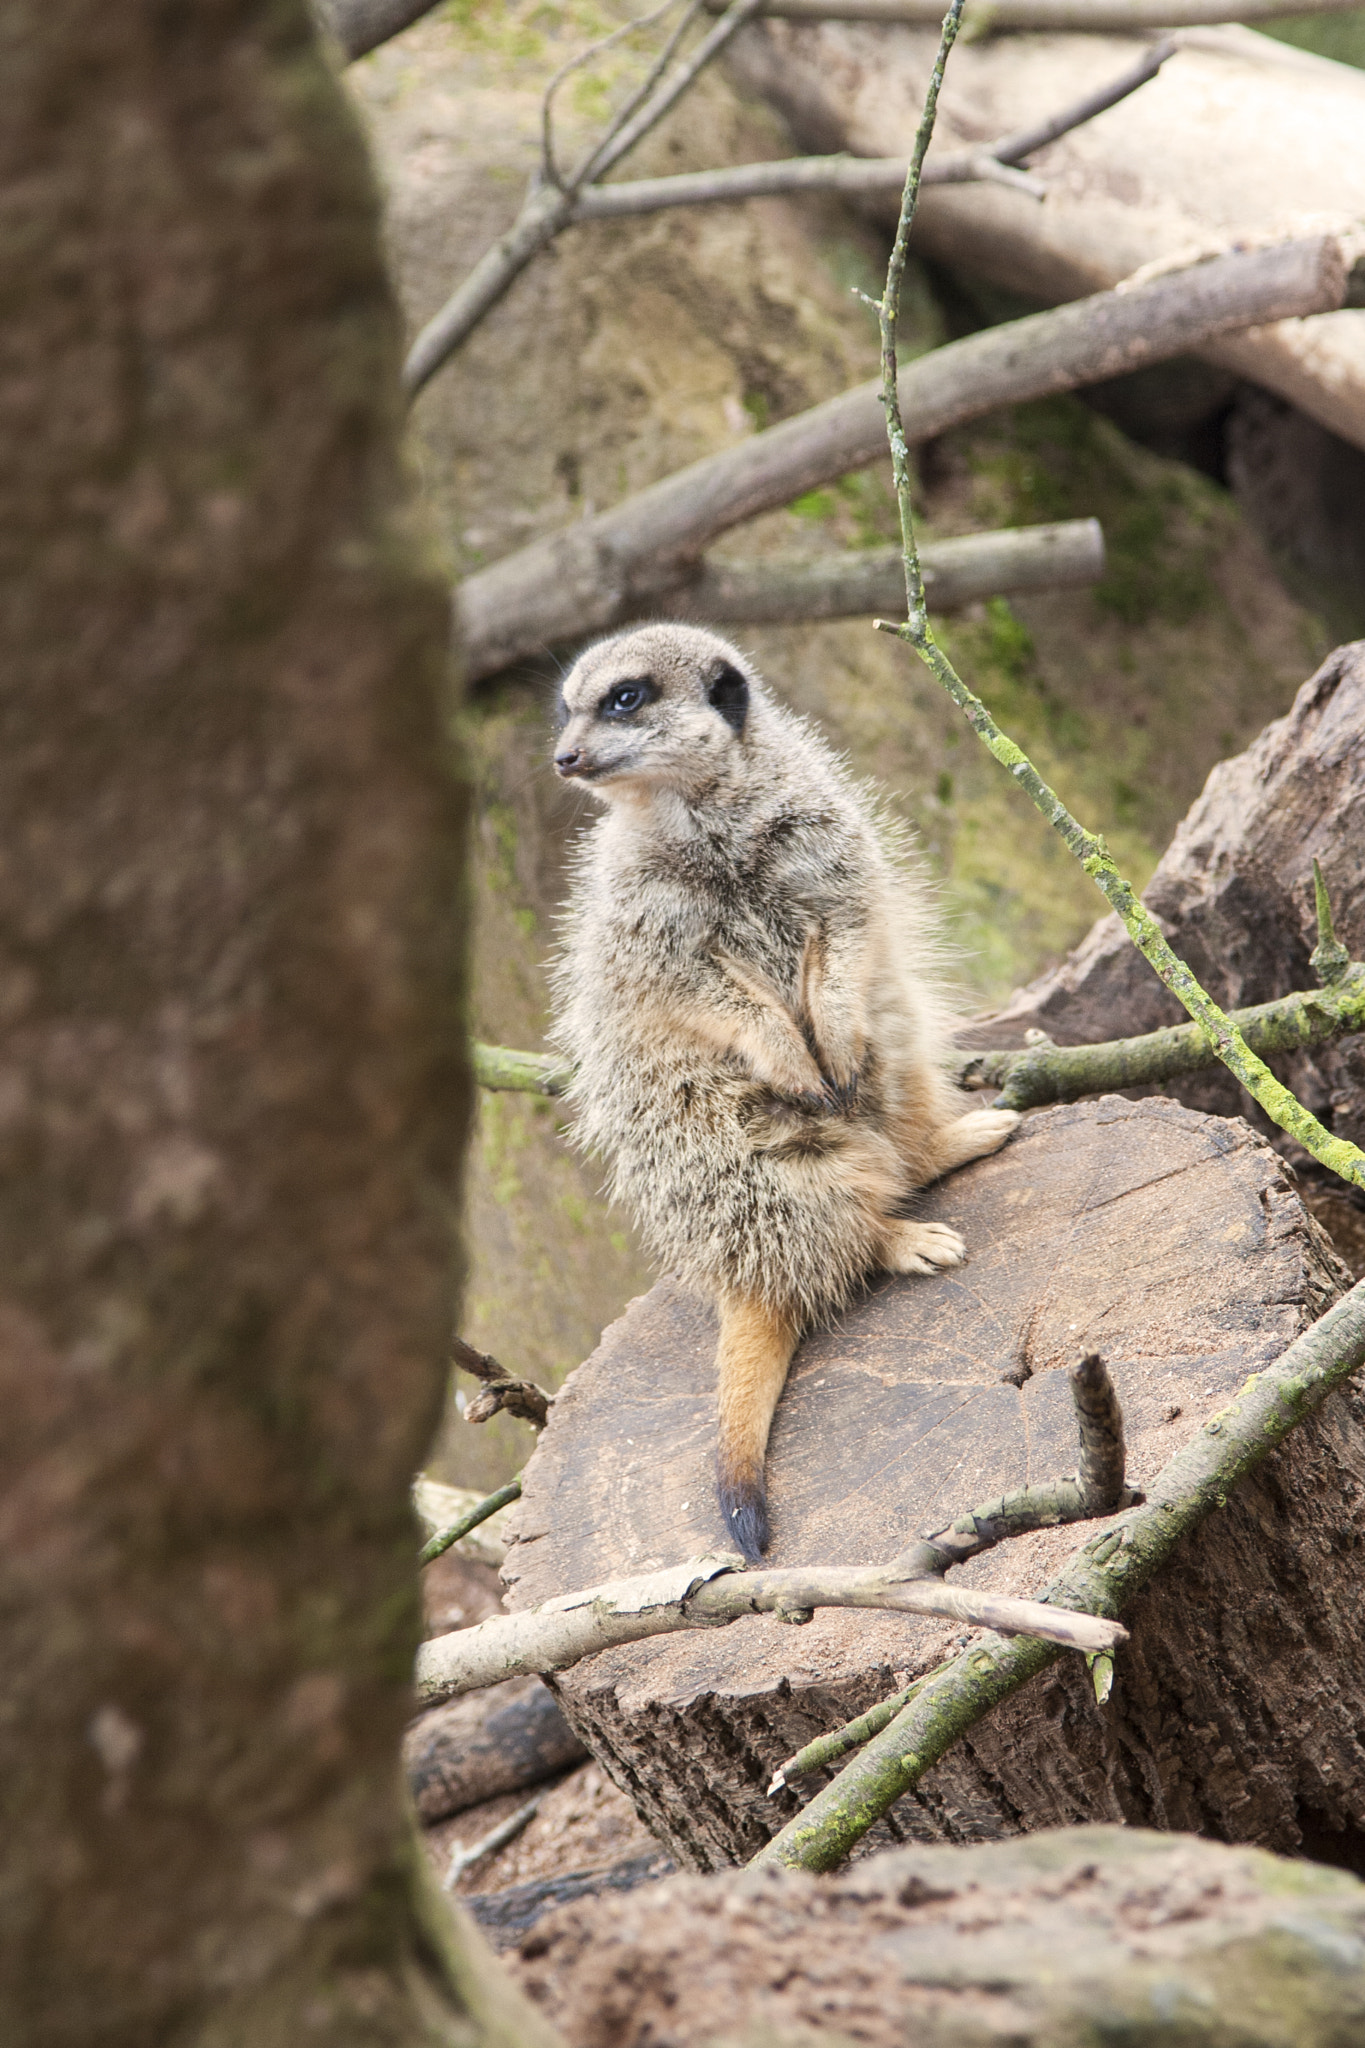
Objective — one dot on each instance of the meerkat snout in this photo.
(664, 707)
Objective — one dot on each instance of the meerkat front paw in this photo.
(973, 1136)
(921, 1247)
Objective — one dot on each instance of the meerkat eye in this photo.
(627, 697)
(729, 694)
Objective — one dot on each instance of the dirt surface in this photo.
(1059, 1941)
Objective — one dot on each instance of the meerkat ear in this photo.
(729, 694)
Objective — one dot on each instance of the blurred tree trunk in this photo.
(232, 1090)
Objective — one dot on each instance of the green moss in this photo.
(1339, 36)
(814, 505)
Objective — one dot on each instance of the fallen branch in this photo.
(1043, 1072)
(1102, 1578)
(710, 1591)
(606, 568)
(856, 584)
(462, 1859)
(1085, 17)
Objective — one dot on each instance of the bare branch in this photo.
(1086, 17)
(550, 208)
(549, 170)
(605, 568)
(444, 1539)
(856, 584)
(528, 1073)
(1013, 149)
(707, 1592)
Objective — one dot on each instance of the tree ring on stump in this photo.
(1172, 1243)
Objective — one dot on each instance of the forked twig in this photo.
(502, 1393)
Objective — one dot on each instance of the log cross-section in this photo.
(1168, 1241)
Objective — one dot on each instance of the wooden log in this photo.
(865, 581)
(503, 1740)
(1167, 1240)
(1076, 1935)
(1238, 141)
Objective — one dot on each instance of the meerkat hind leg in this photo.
(921, 1247)
(755, 1349)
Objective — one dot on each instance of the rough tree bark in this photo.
(232, 1088)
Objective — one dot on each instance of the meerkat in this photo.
(752, 995)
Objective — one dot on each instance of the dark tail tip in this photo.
(744, 1504)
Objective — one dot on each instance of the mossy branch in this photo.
(443, 1540)
(1101, 1578)
(1044, 1072)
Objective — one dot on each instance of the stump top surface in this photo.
(1168, 1241)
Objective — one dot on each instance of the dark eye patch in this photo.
(729, 694)
(623, 699)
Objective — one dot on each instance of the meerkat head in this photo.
(660, 707)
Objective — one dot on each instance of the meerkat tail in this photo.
(755, 1349)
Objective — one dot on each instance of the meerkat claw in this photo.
(922, 1248)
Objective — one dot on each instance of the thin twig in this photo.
(1329, 959)
(438, 1544)
(828, 1749)
(1103, 1578)
(550, 208)
(1043, 1072)
(549, 169)
(506, 1831)
(855, 177)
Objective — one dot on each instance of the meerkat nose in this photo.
(569, 762)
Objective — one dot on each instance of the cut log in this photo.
(1233, 893)
(504, 1740)
(1170, 1242)
(1093, 1934)
(1237, 142)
